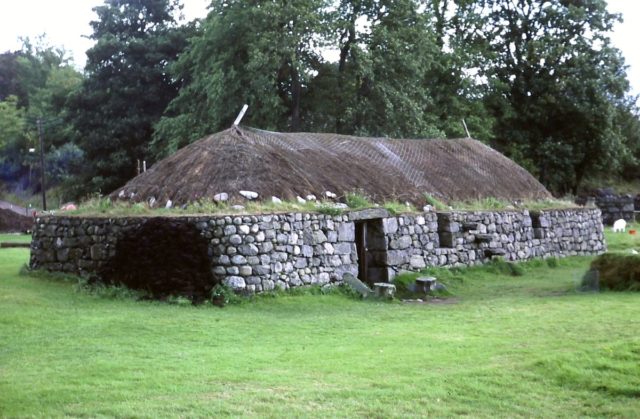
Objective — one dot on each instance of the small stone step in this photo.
(384, 289)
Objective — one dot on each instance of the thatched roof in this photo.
(287, 165)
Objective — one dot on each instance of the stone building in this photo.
(257, 253)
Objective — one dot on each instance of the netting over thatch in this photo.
(287, 165)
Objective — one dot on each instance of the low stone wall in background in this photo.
(613, 206)
(257, 253)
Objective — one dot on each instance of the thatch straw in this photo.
(286, 165)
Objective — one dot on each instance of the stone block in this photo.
(62, 255)
(238, 260)
(248, 250)
(98, 252)
(397, 257)
(328, 249)
(342, 248)
(307, 251)
(390, 225)
(368, 214)
(266, 247)
(219, 271)
(318, 237)
(347, 232)
(262, 270)
(235, 239)
(357, 285)
(402, 242)
(417, 262)
(235, 282)
(323, 278)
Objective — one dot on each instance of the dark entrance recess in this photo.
(162, 257)
(372, 251)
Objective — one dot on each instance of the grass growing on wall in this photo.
(527, 345)
(103, 206)
(502, 204)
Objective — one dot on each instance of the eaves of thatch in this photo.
(287, 165)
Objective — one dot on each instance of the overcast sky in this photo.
(66, 22)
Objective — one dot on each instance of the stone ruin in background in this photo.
(613, 206)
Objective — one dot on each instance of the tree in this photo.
(12, 124)
(628, 120)
(43, 77)
(555, 83)
(385, 81)
(13, 139)
(383, 71)
(127, 86)
(258, 52)
(10, 83)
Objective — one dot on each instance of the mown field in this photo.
(503, 345)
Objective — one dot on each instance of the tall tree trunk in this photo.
(345, 50)
(296, 93)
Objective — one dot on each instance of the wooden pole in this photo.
(464, 124)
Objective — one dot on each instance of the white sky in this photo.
(66, 21)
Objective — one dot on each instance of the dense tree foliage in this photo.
(36, 81)
(555, 85)
(258, 52)
(126, 88)
(391, 78)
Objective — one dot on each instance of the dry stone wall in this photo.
(261, 252)
(253, 253)
(472, 237)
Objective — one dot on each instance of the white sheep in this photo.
(619, 226)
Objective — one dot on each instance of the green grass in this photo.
(623, 242)
(526, 345)
(501, 204)
(103, 206)
(15, 238)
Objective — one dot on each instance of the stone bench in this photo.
(425, 284)
(384, 290)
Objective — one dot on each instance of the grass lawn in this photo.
(15, 238)
(624, 242)
(508, 346)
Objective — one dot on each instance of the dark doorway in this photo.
(163, 257)
(372, 251)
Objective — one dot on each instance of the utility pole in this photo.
(42, 178)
